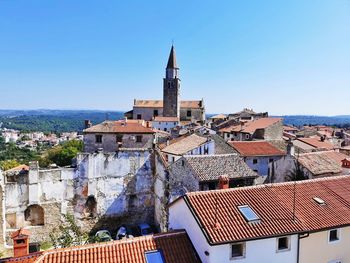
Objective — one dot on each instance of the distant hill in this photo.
(73, 120)
(299, 120)
(54, 120)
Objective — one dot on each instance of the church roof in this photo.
(172, 59)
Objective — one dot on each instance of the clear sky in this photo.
(281, 56)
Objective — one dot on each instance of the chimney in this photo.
(126, 120)
(346, 163)
(20, 242)
(223, 182)
(290, 147)
(87, 124)
(323, 138)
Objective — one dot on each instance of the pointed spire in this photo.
(172, 58)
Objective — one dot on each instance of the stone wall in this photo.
(274, 131)
(196, 114)
(147, 113)
(110, 144)
(119, 185)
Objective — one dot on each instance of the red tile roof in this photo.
(221, 221)
(168, 119)
(317, 143)
(251, 126)
(176, 248)
(19, 168)
(255, 148)
(129, 126)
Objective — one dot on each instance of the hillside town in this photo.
(169, 184)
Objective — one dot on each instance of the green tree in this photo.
(62, 155)
(8, 164)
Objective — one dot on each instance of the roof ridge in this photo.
(269, 185)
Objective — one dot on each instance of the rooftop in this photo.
(219, 216)
(256, 148)
(184, 144)
(175, 246)
(320, 163)
(317, 143)
(122, 126)
(166, 119)
(210, 167)
(251, 126)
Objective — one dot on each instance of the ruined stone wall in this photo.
(161, 193)
(104, 191)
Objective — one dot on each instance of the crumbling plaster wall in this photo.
(121, 183)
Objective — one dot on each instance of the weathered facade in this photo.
(104, 190)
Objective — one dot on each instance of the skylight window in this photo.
(154, 257)
(319, 201)
(248, 213)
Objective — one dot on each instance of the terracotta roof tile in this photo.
(130, 126)
(218, 214)
(166, 119)
(175, 246)
(320, 163)
(317, 143)
(255, 148)
(251, 126)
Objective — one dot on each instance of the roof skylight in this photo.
(319, 201)
(154, 256)
(248, 213)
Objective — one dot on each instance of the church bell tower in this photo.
(171, 88)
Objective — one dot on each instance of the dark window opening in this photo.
(34, 214)
(139, 138)
(20, 241)
(333, 235)
(139, 116)
(98, 138)
(270, 160)
(283, 243)
(189, 114)
(237, 250)
(155, 113)
(119, 138)
(91, 206)
(255, 161)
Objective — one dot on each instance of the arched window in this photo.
(91, 206)
(34, 214)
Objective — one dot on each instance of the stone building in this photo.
(171, 105)
(260, 129)
(201, 172)
(112, 135)
(105, 190)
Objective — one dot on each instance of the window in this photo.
(238, 250)
(270, 160)
(165, 129)
(98, 138)
(255, 161)
(154, 257)
(139, 138)
(119, 138)
(248, 213)
(174, 123)
(247, 136)
(189, 114)
(35, 215)
(155, 112)
(334, 235)
(139, 116)
(283, 243)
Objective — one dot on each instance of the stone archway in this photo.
(34, 214)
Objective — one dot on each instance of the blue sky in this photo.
(285, 57)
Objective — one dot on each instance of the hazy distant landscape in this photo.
(73, 120)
